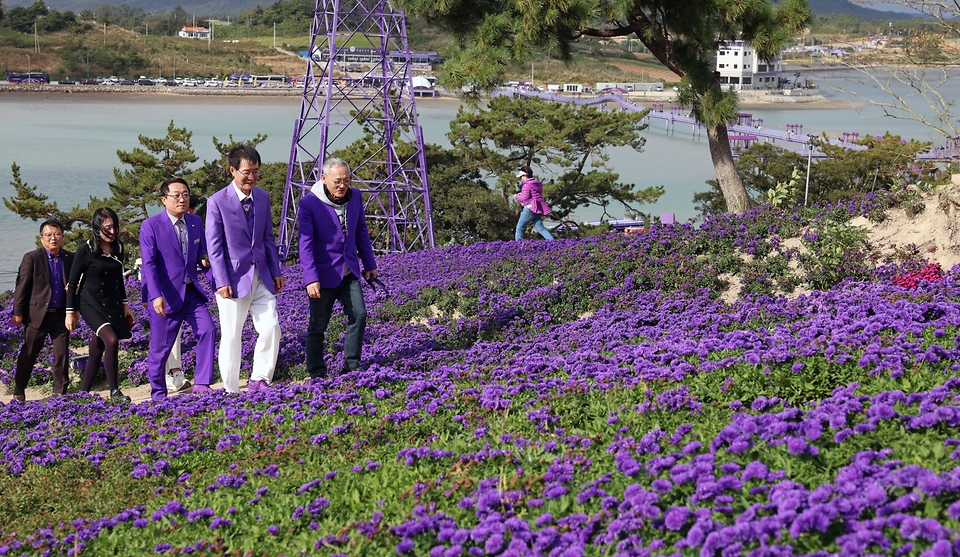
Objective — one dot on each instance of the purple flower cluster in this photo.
(554, 398)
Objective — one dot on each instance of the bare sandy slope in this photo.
(929, 231)
(933, 233)
(650, 74)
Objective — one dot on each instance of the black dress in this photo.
(98, 283)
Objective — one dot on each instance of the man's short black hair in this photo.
(238, 154)
(165, 187)
(51, 222)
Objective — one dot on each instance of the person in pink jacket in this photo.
(531, 197)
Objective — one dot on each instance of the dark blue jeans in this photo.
(350, 295)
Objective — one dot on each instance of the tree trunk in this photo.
(730, 183)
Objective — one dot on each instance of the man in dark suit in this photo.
(334, 242)
(172, 245)
(39, 303)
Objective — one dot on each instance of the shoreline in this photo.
(148, 90)
(747, 98)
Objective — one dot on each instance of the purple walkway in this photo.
(740, 134)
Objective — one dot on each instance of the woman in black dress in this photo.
(96, 288)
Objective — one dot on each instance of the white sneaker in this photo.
(176, 382)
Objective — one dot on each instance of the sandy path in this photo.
(139, 393)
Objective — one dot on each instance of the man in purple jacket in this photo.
(172, 246)
(246, 270)
(334, 240)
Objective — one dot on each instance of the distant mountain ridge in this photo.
(198, 8)
(827, 7)
(236, 7)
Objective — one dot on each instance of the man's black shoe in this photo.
(117, 395)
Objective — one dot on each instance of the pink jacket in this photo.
(531, 196)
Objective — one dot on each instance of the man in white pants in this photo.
(246, 269)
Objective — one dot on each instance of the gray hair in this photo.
(333, 161)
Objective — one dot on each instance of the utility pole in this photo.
(394, 179)
(159, 69)
(274, 35)
(104, 34)
(146, 29)
(806, 191)
(36, 38)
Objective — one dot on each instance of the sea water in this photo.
(66, 145)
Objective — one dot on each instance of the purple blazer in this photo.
(531, 196)
(234, 252)
(324, 250)
(164, 270)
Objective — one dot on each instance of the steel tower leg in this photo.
(359, 81)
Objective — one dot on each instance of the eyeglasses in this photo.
(248, 173)
(49, 236)
(183, 195)
(340, 182)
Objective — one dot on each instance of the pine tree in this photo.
(683, 34)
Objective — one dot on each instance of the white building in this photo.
(194, 33)
(741, 69)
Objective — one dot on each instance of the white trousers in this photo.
(174, 361)
(262, 307)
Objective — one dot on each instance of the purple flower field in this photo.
(575, 397)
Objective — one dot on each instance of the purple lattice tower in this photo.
(359, 80)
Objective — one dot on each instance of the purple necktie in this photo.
(247, 205)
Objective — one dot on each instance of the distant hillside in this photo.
(827, 7)
(235, 7)
(198, 7)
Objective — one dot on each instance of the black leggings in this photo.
(104, 346)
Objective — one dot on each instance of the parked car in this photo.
(89, 81)
(212, 83)
(145, 81)
(66, 81)
(126, 81)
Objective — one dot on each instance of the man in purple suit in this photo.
(334, 240)
(172, 246)
(246, 269)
